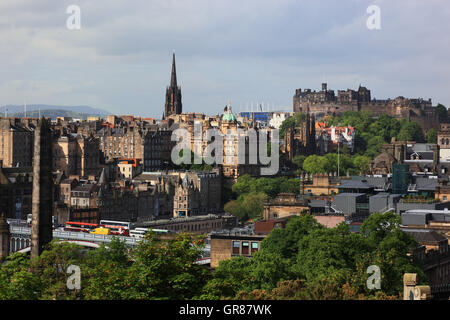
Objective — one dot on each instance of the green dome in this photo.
(228, 116)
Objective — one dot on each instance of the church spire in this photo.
(173, 94)
(173, 78)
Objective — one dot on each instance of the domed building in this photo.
(228, 114)
(231, 167)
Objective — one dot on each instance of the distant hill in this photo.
(50, 111)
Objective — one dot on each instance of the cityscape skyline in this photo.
(119, 59)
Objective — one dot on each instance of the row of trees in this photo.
(352, 164)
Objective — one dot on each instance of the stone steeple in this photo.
(42, 204)
(173, 77)
(173, 94)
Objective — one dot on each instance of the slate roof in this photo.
(427, 236)
(355, 184)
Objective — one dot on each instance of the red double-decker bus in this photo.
(80, 226)
(116, 227)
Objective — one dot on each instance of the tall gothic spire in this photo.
(173, 94)
(173, 78)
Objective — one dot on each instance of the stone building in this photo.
(227, 246)
(65, 188)
(74, 154)
(301, 140)
(197, 225)
(325, 102)
(436, 266)
(197, 194)
(236, 158)
(444, 136)
(232, 166)
(321, 184)
(150, 143)
(413, 291)
(330, 138)
(16, 191)
(390, 154)
(16, 143)
(128, 168)
(284, 205)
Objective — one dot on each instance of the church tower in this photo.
(42, 203)
(173, 94)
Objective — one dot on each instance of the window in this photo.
(236, 245)
(245, 246)
(445, 198)
(255, 247)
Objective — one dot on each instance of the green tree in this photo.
(230, 277)
(17, 282)
(284, 241)
(390, 247)
(267, 269)
(295, 121)
(298, 160)
(105, 272)
(361, 163)
(441, 111)
(51, 269)
(328, 250)
(315, 164)
(165, 270)
(410, 131)
(432, 136)
(243, 184)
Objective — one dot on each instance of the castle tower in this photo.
(42, 206)
(4, 237)
(173, 94)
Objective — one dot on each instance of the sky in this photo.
(248, 51)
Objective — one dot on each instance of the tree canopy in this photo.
(308, 261)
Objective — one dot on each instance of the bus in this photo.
(160, 231)
(141, 232)
(138, 233)
(117, 227)
(80, 226)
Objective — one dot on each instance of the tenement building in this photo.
(197, 193)
(16, 143)
(74, 154)
(236, 158)
(15, 191)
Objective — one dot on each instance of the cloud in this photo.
(240, 50)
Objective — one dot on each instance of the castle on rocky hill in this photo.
(325, 102)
